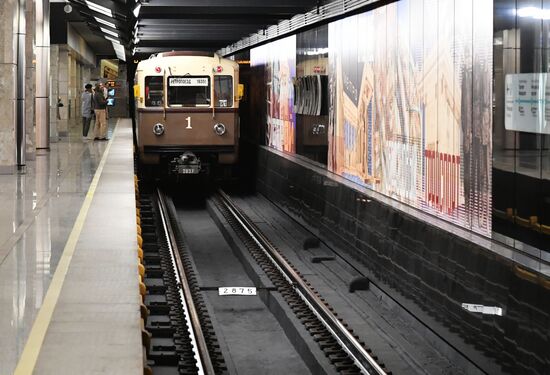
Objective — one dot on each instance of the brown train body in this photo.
(186, 110)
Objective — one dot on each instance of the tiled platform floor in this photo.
(37, 213)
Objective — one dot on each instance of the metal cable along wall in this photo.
(322, 13)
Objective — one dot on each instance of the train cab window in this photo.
(188, 91)
(223, 91)
(154, 87)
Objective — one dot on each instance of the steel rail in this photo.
(202, 355)
(362, 359)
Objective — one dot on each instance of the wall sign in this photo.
(527, 100)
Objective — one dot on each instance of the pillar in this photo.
(63, 91)
(19, 36)
(43, 102)
(30, 86)
(53, 95)
(8, 82)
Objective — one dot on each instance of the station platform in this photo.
(69, 295)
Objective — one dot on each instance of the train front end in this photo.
(187, 112)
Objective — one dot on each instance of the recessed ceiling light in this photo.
(111, 39)
(99, 8)
(107, 31)
(106, 23)
(137, 9)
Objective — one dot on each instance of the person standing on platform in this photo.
(105, 95)
(87, 110)
(100, 107)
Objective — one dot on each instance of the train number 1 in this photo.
(188, 123)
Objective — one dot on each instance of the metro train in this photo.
(187, 112)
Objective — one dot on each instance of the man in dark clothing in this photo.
(87, 109)
(100, 107)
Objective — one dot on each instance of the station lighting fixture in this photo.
(106, 23)
(107, 31)
(534, 12)
(112, 39)
(99, 8)
(137, 9)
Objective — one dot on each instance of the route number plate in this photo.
(236, 291)
(184, 81)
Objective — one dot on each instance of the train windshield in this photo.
(153, 91)
(223, 91)
(188, 91)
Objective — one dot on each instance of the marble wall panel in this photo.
(7, 15)
(30, 84)
(7, 122)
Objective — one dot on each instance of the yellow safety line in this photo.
(28, 358)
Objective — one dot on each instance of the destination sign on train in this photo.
(186, 81)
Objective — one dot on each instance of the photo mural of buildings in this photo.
(279, 59)
(410, 113)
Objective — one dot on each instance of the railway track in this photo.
(345, 351)
(183, 340)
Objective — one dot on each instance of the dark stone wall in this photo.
(424, 266)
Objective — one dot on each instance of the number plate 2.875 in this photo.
(236, 291)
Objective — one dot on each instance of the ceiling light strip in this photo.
(99, 8)
(109, 32)
(106, 23)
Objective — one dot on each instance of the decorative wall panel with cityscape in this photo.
(410, 104)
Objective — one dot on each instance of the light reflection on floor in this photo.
(37, 212)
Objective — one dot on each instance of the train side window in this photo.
(223, 91)
(154, 87)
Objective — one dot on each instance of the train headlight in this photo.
(219, 128)
(158, 129)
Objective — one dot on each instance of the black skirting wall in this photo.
(424, 265)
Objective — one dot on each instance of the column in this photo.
(20, 35)
(43, 101)
(63, 91)
(72, 87)
(30, 87)
(53, 95)
(78, 91)
(8, 83)
(86, 75)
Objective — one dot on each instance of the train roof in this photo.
(186, 57)
(186, 53)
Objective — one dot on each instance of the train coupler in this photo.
(186, 163)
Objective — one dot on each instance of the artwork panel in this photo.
(335, 92)
(380, 113)
(463, 66)
(417, 107)
(280, 73)
(482, 118)
(402, 104)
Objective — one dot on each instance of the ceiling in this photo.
(143, 27)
